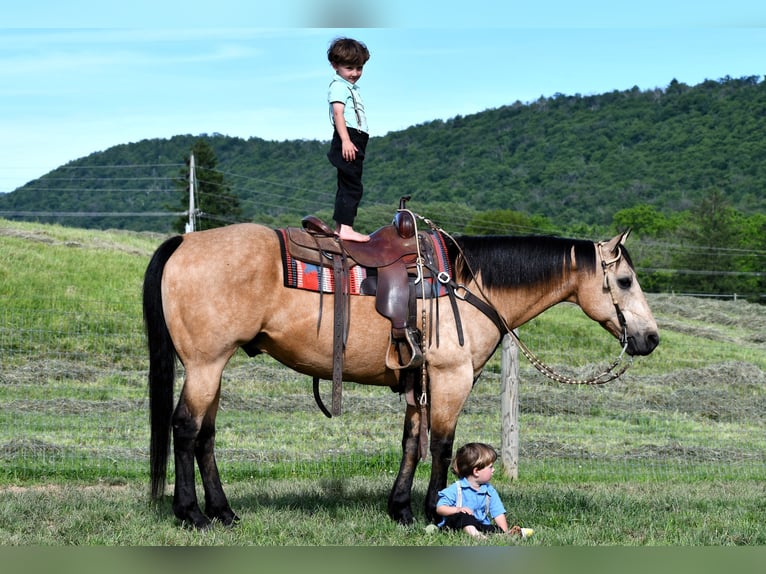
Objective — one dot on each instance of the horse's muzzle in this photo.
(643, 345)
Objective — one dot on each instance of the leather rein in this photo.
(607, 375)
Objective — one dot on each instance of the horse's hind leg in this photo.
(216, 505)
(185, 431)
(194, 438)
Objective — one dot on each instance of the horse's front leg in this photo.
(441, 456)
(400, 499)
(449, 390)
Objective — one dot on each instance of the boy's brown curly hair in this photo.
(347, 51)
(472, 455)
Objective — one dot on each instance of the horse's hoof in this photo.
(197, 524)
(228, 518)
(224, 516)
(403, 518)
(195, 520)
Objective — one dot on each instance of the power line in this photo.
(306, 198)
(652, 243)
(120, 166)
(704, 272)
(91, 213)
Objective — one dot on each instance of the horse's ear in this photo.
(617, 240)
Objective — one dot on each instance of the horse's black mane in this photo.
(505, 261)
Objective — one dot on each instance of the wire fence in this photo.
(73, 405)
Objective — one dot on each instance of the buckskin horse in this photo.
(208, 293)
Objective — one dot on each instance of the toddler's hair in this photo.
(348, 51)
(472, 455)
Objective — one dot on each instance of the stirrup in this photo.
(416, 355)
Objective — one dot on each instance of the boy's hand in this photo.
(349, 150)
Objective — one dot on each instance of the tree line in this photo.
(684, 166)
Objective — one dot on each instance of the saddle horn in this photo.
(404, 221)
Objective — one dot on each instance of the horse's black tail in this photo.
(162, 365)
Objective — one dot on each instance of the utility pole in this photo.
(190, 225)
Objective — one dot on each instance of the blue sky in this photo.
(76, 78)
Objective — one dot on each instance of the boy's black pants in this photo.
(350, 188)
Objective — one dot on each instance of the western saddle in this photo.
(394, 258)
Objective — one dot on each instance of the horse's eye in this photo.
(625, 282)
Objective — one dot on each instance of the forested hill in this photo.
(566, 157)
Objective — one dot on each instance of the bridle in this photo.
(608, 374)
(605, 264)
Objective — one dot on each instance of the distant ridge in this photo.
(566, 157)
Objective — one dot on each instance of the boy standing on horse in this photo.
(350, 134)
(472, 503)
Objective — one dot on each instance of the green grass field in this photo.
(670, 454)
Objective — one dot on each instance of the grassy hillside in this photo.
(672, 453)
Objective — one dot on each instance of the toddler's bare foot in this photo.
(347, 233)
(519, 531)
(473, 531)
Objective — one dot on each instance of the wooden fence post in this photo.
(509, 405)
